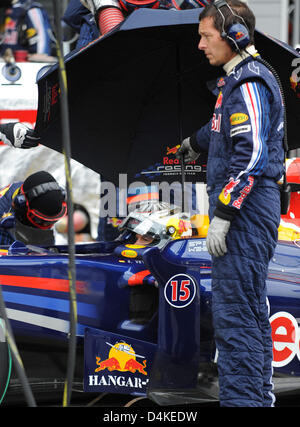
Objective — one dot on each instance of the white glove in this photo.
(189, 154)
(18, 135)
(216, 236)
(92, 5)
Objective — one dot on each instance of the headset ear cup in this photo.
(19, 206)
(20, 201)
(238, 36)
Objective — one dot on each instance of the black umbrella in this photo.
(133, 96)
(137, 92)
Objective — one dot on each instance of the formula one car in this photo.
(144, 324)
(144, 312)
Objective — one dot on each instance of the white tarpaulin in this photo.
(18, 102)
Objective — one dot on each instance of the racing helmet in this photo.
(158, 220)
(40, 202)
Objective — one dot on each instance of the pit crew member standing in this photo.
(109, 13)
(244, 140)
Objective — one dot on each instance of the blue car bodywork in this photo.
(144, 314)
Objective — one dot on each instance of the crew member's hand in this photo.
(92, 5)
(185, 149)
(18, 135)
(7, 220)
(216, 236)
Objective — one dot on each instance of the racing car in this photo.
(144, 324)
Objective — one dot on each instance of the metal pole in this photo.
(71, 246)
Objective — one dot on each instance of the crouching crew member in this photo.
(29, 210)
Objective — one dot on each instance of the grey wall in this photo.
(271, 17)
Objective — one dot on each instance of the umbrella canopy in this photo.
(135, 93)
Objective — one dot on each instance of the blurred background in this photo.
(279, 18)
(19, 98)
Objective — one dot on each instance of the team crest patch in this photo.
(221, 82)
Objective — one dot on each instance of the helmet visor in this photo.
(43, 221)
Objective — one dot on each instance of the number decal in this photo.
(180, 290)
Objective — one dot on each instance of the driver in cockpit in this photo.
(154, 223)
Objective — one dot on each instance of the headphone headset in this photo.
(21, 199)
(237, 34)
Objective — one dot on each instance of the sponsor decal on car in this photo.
(180, 290)
(286, 338)
(116, 364)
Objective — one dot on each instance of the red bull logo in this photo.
(219, 101)
(171, 161)
(184, 226)
(173, 150)
(123, 358)
(221, 82)
(244, 193)
(239, 35)
(115, 222)
(230, 186)
(225, 194)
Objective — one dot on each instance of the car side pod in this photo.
(115, 363)
(177, 269)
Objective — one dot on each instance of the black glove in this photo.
(185, 149)
(18, 135)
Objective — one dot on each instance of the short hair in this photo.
(240, 8)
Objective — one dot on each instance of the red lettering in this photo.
(243, 193)
(216, 122)
(184, 290)
(54, 94)
(167, 161)
(285, 338)
(174, 290)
